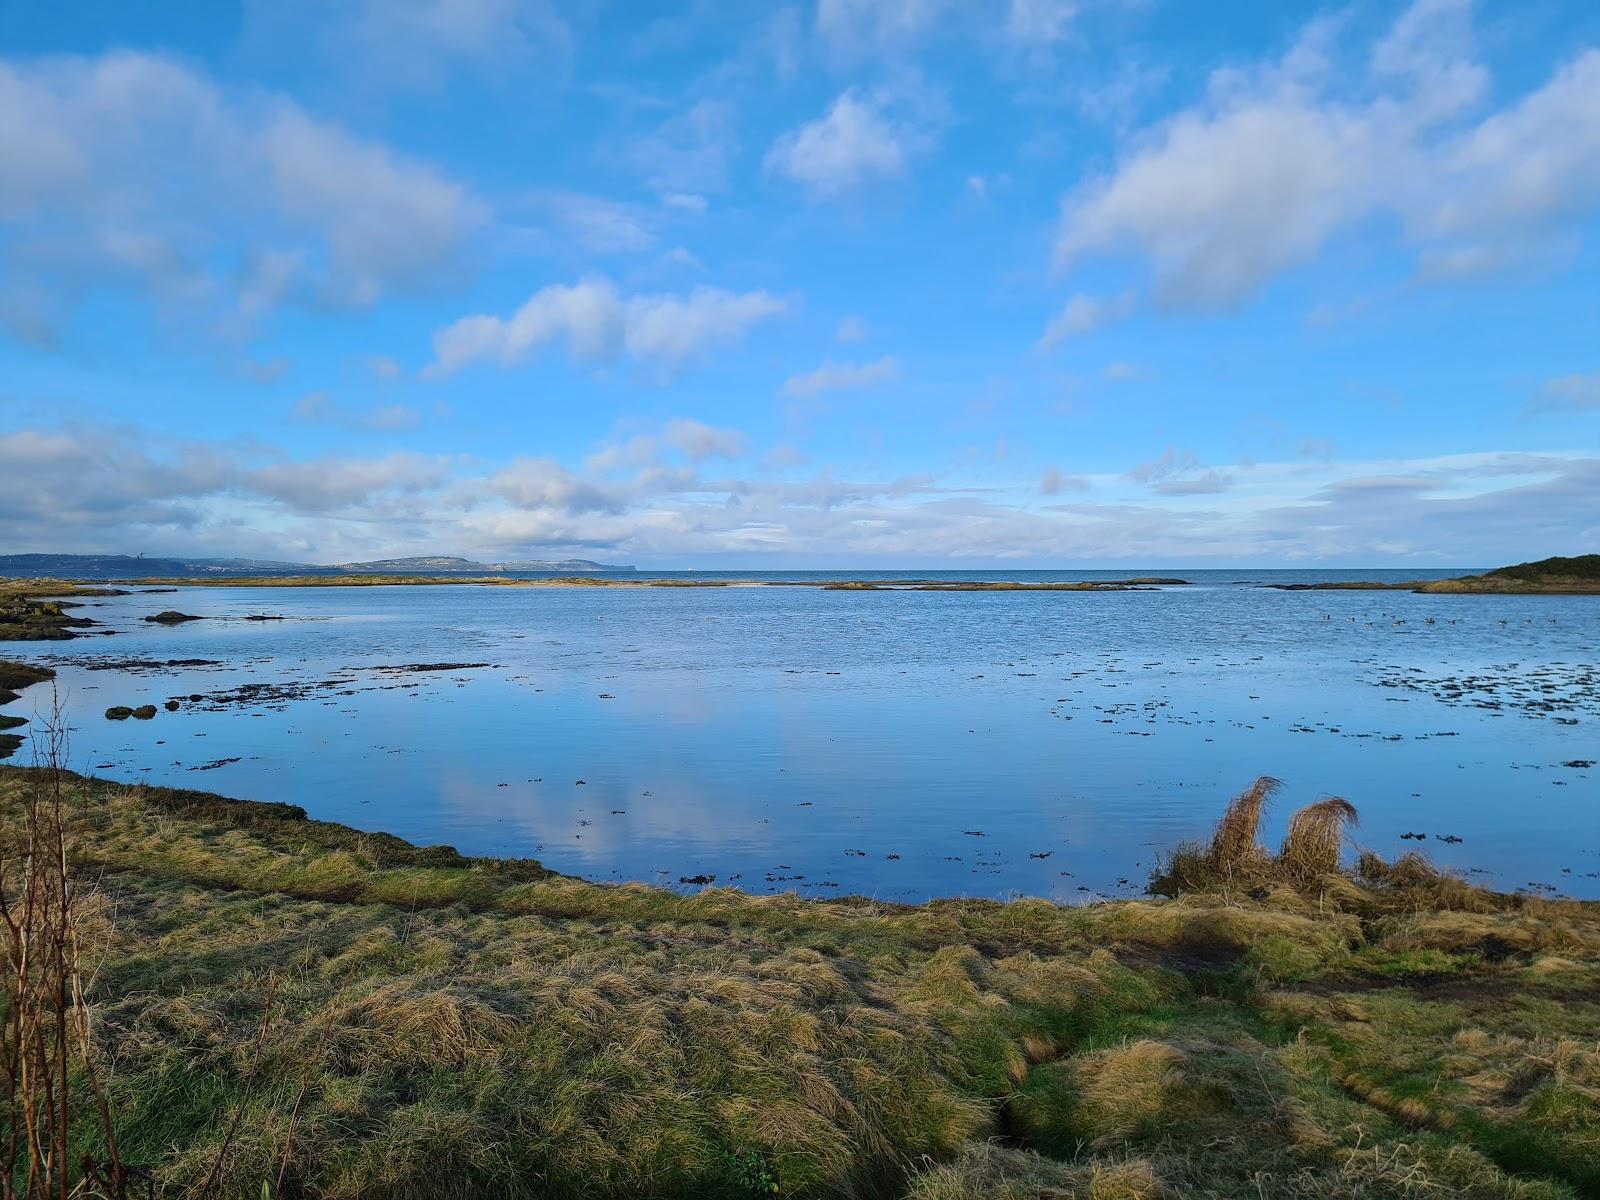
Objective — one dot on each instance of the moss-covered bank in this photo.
(442, 1026)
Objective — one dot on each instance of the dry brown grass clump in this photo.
(1315, 838)
(987, 1171)
(1234, 848)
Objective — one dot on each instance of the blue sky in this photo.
(902, 283)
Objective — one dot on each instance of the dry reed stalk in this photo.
(45, 1037)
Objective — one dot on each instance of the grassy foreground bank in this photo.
(287, 1007)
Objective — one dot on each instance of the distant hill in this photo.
(127, 566)
(1580, 574)
(444, 565)
(1582, 567)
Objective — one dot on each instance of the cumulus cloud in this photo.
(699, 441)
(532, 483)
(597, 323)
(133, 170)
(1084, 314)
(835, 377)
(1274, 164)
(854, 144)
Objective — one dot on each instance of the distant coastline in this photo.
(30, 575)
(125, 566)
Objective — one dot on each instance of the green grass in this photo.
(448, 1026)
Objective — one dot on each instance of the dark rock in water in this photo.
(156, 591)
(407, 668)
(121, 712)
(700, 880)
(130, 665)
(264, 617)
(172, 617)
(214, 764)
(171, 706)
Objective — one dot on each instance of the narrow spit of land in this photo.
(288, 1007)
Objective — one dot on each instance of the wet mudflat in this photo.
(904, 744)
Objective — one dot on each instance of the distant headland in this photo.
(127, 566)
(1576, 576)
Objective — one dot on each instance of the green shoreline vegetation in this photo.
(28, 613)
(279, 1006)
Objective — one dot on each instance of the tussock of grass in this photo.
(448, 1026)
(1316, 836)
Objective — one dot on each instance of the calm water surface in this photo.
(898, 744)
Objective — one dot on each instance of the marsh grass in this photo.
(289, 1004)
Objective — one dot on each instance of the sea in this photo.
(892, 743)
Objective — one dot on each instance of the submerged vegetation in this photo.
(286, 1007)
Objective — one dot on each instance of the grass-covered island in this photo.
(276, 1006)
(1577, 576)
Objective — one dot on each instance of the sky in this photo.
(886, 283)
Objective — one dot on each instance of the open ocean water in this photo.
(898, 744)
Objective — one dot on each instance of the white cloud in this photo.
(323, 484)
(1222, 201)
(386, 221)
(699, 441)
(853, 145)
(75, 489)
(835, 377)
(1084, 314)
(1531, 166)
(133, 171)
(545, 483)
(1274, 164)
(598, 324)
